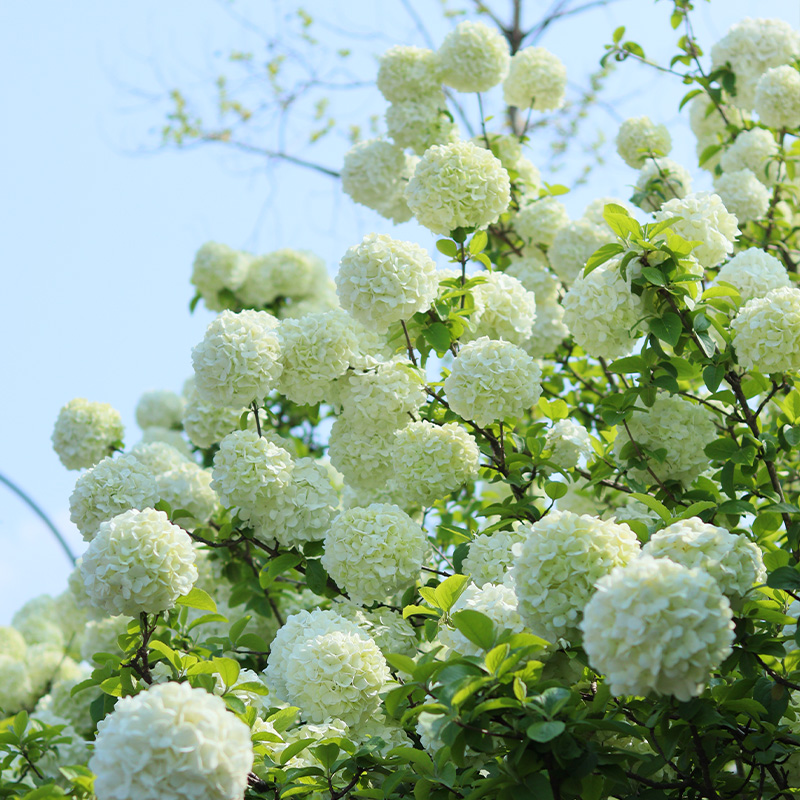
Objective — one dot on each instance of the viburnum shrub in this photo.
(549, 546)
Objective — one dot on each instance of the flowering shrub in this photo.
(520, 523)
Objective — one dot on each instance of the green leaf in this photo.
(20, 723)
(784, 578)
(410, 611)
(721, 449)
(620, 221)
(477, 627)
(668, 328)
(545, 731)
(654, 276)
(712, 376)
(555, 489)
(653, 504)
(449, 590)
(197, 598)
(618, 34)
(316, 577)
(438, 335)
(601, 255)
(556, 189)
(478, 242)
(557, 409)
(277, 566)
(194, 301)
(447, 247)
(293, 749)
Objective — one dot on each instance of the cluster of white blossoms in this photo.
(250, 473)
(385, 627)
(373, 552)
(569, 442)
(160, 409)
(602, 313)
(238, 360)
(754, 273)
(405, 73)
(743, 194)
(756, 150)
(112, 486)
(326, 666)
(735, 563)
(207, 423)
(473, 57)
(638, 138)
(491, 556)
(383, 280)
(458, 185)
(655, 625)
(766, 331)
(139, 562)
(491, 380)
(188, 487)
(422, 123)
(681, 428)
(777, 100)
(750, 48)
(504, 309)
(573, 244)
(284, 273)
(375, 174)
(217, 268)
(703, 218)
(507, 148)
(536, 79)
(539, 222)
(360, 452)
(558, 563)
(660, 180)
(496, 601)
(171, 742)
(86, 432)
(431, 461)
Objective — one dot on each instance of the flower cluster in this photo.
(491, 556)
(777, 100)
(754, 273)
(504, 309)
(473, 58)
(86, 432)
(285, 273)
(638, 138)
(540, 222)
(743, 194)
(217, 269)
(536, 79)
(573, 244)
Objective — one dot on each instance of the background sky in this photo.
(99, 229)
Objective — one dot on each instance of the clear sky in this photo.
(98, 239)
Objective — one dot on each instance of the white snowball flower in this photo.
(657, 626)
(361, 453)
(458, 185)
(173, 438)
(540, 221)
(328, 667)
(496, 601)
(766, 331)
(756, 150)
(385, 627)
(732, 560)
(419, 124)
(217, 268)
(504, 309)
(238, 360)
(638, 138)
(250, 473)
(188, 486)
(703, 218)
(558, 564)
(777, 100)
(594, 211)
(158, 457)
(602, 313)
(208, 423)
(86, 432)
(374, 175)
(569, 442)
(751, 47)
(532, 272)
(536, 79)
(431, 461)
(159, 409)
(407, 73)
(139, 562)
(549, 331)
(572, 246)
(374, 552)
(490, 557)
(12, 643)
(473, 57)
(676, 425)
(383, 280)
(101, 637)
(284, 273)
(754, 273)
(491, 380)
(112, 486)
(171, 742)
(509, 150)
(661, 179)
(387, 392)
(743, 194)
(16, 692)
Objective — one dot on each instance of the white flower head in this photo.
(458, 185)
(361, 453)
(407, 73)
(558, 563)
(743, 194)
(569, 442)
(756, 150)
(218, 268)
(158, 457)
(383, 280)
(490, 557)
(285, 273)
(539, 222)
(473, 57)
(536, 79)
(638, 138)
(654, 625)
(171, 742)
(86, 432)
(159, 409)
(418, 124)
(491, 380)
(374, 552)
(572, 246)
(139, 562)
(188, 486)
(732, 560)
(777, 100)
(754, 273)
(504, 309)
(238, 360)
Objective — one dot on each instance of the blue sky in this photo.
(98, 238)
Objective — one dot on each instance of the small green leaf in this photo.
(555, 489)
(784, 578)
(712, 376)
(197, 598)
(447, 247)
(449, 590)
(316, 577)
(478, 243)
(410, 611)
(277, 566)
(653, 504)
(545, 731)
(667, 328)
(477, 627)
(438, 335)
(601, 255)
